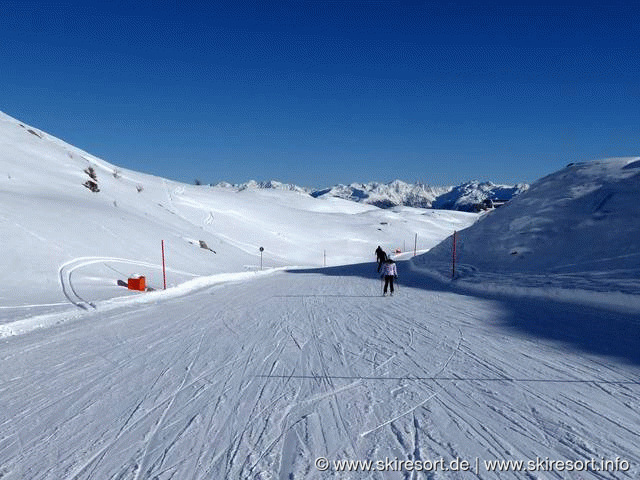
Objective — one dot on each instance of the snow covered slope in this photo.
(580, 223)
(272, 377)
(63, 242)
(259, 380)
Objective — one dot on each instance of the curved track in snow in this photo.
(258, 379)
(66, 270)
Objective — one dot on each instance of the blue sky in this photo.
(325, 92)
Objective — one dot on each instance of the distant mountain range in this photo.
(469, 196)
(271, 184)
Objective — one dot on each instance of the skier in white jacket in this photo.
(389, 272)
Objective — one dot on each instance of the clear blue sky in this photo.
(325, 92)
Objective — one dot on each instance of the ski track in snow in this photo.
(258, 379)
(66, 271)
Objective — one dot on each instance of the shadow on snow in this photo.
(593, 330)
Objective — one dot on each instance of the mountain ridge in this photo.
(469, 196)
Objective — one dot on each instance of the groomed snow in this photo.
(258, 379)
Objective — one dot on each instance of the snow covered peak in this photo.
(385, 195)
(470, 196)
(268, 185)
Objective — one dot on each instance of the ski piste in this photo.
(263, 376)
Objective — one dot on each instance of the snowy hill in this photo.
(288, 373)
(580, 222)
(60, 236)
(470, 196)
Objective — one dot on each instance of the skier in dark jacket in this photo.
(389, 272)
(381, 256)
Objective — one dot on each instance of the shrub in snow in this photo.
(92, 183)
(92, 173)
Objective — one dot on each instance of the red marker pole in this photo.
(164, 270)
